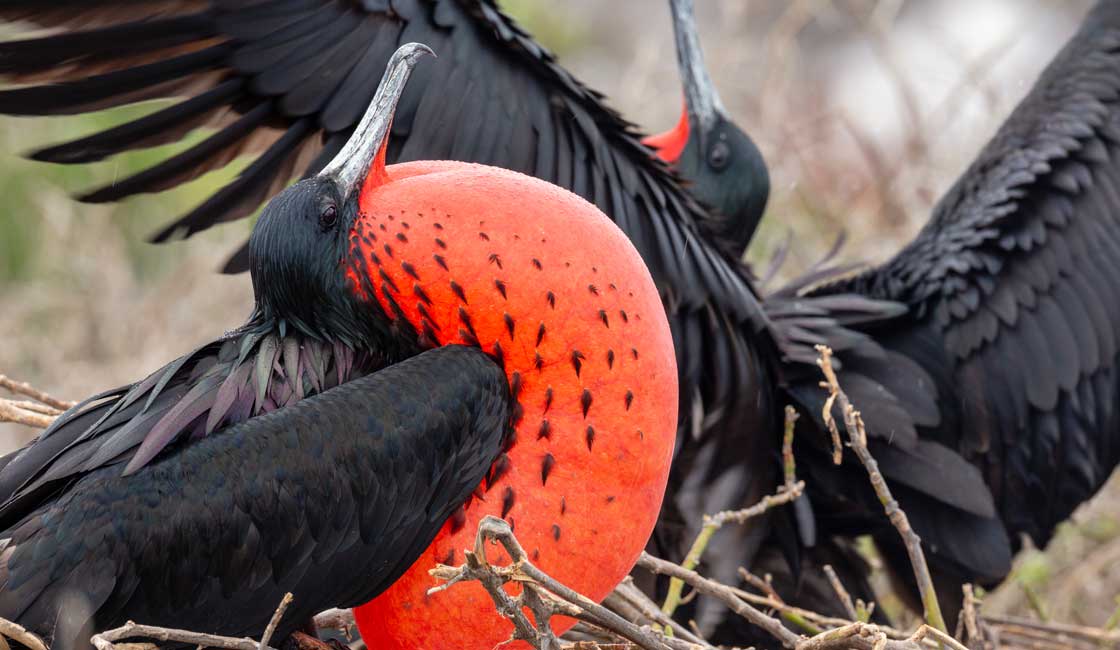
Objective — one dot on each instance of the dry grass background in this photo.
(866, 111)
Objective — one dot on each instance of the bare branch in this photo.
(968, 616)
(649, 610)
(723, 593)
(270, 629)
(18, 633)
(27, 390)
(841, 592)
(11, 412)
(857, 440)
(540, 593)
(338, 619)
(107, 640)
(787, 493)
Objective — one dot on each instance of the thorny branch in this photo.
(857, 440)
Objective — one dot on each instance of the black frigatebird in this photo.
(1006, 353)
(285, 81)
(739, 357)
(432, 342)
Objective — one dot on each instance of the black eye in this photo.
(328, 217)
(719, 154)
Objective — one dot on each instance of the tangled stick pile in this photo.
(630, 619)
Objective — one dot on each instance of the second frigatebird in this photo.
(1004, 350)
(432, 343)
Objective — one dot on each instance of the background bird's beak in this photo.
(701, 99)
(364, 153)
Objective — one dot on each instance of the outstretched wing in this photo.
(1013, 296)
(285, 81)
(331, 498)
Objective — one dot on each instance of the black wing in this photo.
(250, 371)
(1013, 297)
(331, 499)
(285, 81)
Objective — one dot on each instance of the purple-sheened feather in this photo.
(227, 395)
(292, 367)
(242, 408)
(172, 369)
(248, 372)
(132, 434)
(194, 404)
(344, 360)
(262, 374)
(311, 358)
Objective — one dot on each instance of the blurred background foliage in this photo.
(866, 111)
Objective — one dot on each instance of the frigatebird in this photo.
(1006, 352)
(993, 269)
(431, 343)
(285, 81)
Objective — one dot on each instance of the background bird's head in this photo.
(722, 165)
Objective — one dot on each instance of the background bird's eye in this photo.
(328, 217)
(719, 154)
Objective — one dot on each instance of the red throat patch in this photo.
(670, 144)
(543, 281)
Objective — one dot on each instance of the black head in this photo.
(296, 256)
(300, 247)
(723, 165)
(726, 172)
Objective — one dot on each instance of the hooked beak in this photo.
(701, 99)
(364, 152)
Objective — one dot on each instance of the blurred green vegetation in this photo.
(30, 190)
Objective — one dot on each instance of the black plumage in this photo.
(1004, 296)
(493, 96)
(1012, 309)
(330, 498)
(281, 458)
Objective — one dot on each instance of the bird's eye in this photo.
(328, 217)
(718, 155)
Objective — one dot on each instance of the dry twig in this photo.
(109, 639)
(723, 593)
(543, 596)
(1050, 634)
(968, 616)
(270, 629)
(39, 412)
(648, 610)
(338, 619)
(841, 592)
(857, 440)
(789, 491)
(863, 636)
(27, 390)
(18, 633)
